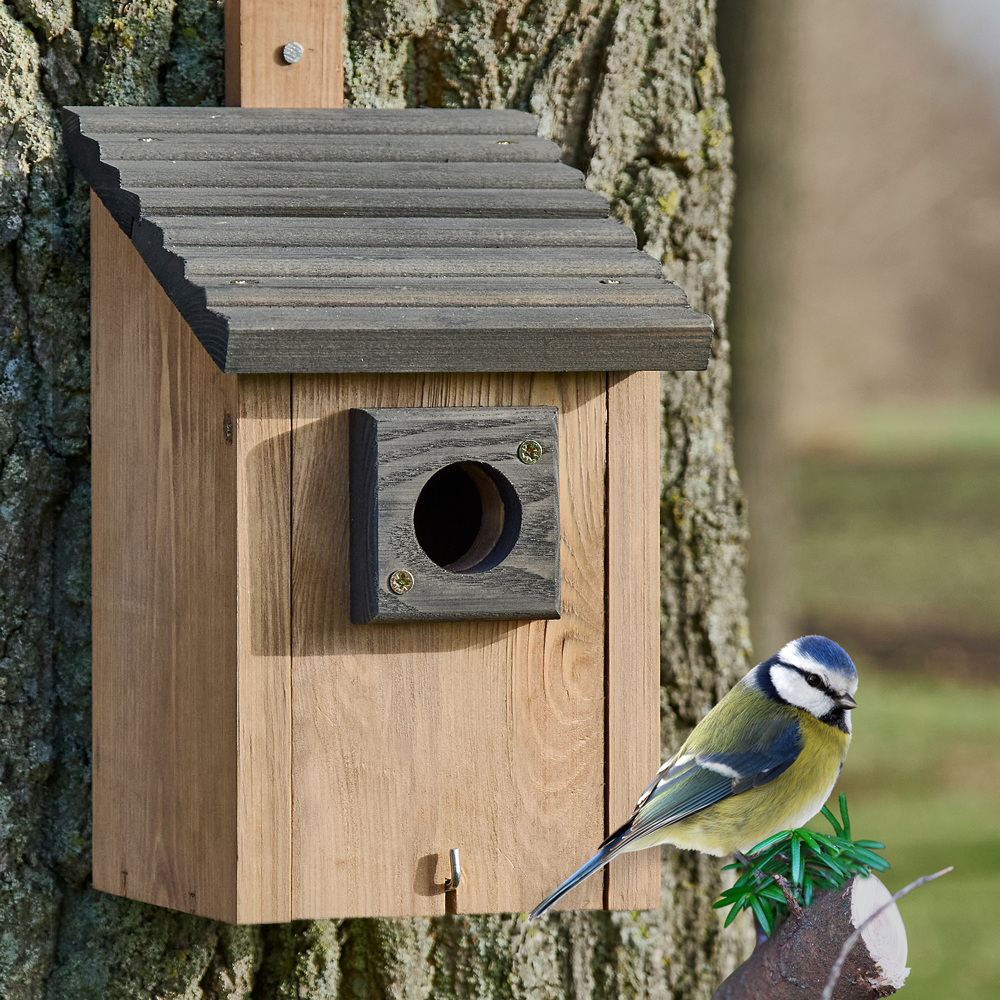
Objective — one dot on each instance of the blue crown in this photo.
(824, 652)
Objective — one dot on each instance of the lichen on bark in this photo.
(632, 91)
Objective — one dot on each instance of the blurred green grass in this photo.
(922, 429)
(905, 544)
(897, 555)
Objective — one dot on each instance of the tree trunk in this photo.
(633, 92)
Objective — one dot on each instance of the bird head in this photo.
(815, 674)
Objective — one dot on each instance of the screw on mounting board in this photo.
(292, 53)
(529, 451)
(227, 428)
(401, 581)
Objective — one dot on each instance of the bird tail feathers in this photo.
(601, 858)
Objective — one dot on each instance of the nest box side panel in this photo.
(633, 880)
(410, 739)
(264, 739)
(164, 595)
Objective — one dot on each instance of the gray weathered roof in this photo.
(381, 240)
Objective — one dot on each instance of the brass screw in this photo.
(529, 451)
(401, 581)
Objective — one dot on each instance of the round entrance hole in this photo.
(467, 517)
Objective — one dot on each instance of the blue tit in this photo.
(764, 759)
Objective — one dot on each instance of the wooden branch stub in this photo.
(796, 960)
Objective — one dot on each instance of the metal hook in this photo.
(451, 884)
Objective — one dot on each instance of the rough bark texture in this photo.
(633, 92)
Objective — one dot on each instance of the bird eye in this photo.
(813, 681)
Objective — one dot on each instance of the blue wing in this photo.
(694, 781)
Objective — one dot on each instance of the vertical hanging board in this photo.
(258, 757)
(258, 75)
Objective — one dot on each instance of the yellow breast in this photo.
(742, 821)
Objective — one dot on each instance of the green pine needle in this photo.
(808, 861)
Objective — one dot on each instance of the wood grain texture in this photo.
(240, 263)
(633, 553)
(455, 339)
(262, 440)
(395, 453)
(164, 596)
(366, 203)
(256, 74)
(313, 120)
(264, 231)
(379, 176)
(279, 149)
(419, 291)
(486, 736)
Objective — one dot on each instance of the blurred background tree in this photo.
(865, 318)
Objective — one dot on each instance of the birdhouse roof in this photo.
(382, 240)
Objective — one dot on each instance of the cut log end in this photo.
(797, 959)
(885, 936)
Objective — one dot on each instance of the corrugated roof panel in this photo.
(382, 240)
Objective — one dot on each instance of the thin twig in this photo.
(853, 939)
(786, 890)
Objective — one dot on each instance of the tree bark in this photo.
(633, 92)
(796, 960)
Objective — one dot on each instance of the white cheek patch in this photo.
(792, 686)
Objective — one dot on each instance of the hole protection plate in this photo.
(448, 523)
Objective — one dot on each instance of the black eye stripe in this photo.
(816, 682)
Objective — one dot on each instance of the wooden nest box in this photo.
(375, 486)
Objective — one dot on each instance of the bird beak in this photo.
(846, 701)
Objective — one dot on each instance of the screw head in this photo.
(529, 451)
(401, 581)
(292, 53)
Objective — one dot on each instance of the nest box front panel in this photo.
(488, 736)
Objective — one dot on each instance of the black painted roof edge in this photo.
(211, 328)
